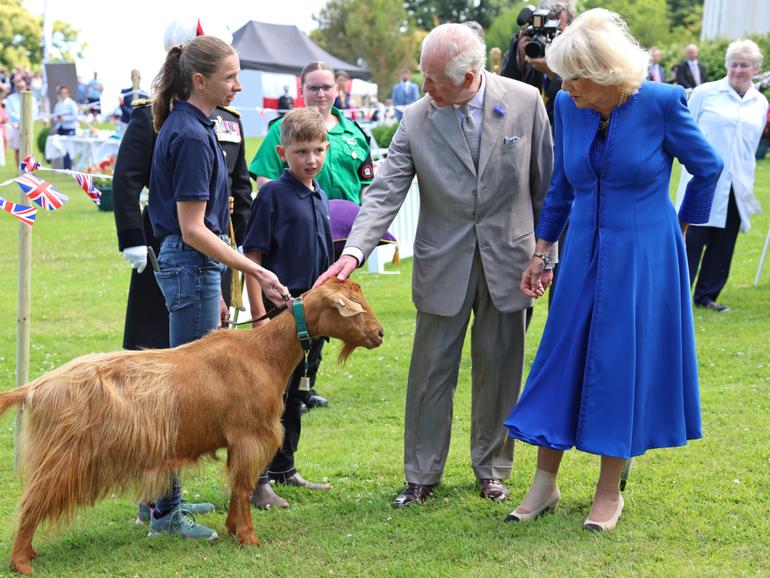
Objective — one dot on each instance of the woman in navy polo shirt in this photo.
(189, 211)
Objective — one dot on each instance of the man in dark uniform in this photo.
(129, 95)
(146, 314)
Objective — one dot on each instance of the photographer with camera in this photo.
(525, 61)
(525, 58)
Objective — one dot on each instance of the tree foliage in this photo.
(378, 32)
(649, 20)
(21, 36)
(65, 44)
(430, 13)
(686, 17)
(503, 27)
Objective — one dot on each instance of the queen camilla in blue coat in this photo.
(616, 372)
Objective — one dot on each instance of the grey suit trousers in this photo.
(497, 354)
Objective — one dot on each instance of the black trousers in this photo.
(712, 248)
(67, 163)
(282, 466)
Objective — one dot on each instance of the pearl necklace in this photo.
(622, 99)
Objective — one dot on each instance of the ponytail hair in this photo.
(202, 55)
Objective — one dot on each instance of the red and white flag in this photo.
(24, 213)
(41, 192)
(86, 183)
(29, 164)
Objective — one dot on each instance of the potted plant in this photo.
(104, 184)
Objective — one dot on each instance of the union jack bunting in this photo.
(41, 192)
(24, 213)
(86, 183)
(29, 164)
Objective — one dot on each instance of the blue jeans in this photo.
(191, 285)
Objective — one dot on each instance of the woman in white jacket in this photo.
(732, 115)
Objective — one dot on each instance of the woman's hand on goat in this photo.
(272, 287)
(341, 269)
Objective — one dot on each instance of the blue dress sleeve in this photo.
(683, 139)
(560, 196)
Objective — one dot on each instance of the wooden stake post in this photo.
(26, 134)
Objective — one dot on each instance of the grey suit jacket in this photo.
(495, 209)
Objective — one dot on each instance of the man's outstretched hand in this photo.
(341, 269)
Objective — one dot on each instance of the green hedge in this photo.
(711, 54)
(383, 134)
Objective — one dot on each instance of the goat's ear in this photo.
(346, 307)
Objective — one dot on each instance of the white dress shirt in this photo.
(733, 126)
(475, 106)
(695, 71)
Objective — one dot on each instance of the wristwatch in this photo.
(549, 264)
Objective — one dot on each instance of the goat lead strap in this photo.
(302, 334)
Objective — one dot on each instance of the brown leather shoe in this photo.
(300, 482)
(264, 498)
(413, 493)
(493, 489)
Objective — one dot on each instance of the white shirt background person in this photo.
(733, 126)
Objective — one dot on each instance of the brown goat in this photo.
(92, 426)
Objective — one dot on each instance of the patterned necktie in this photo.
(472, 134)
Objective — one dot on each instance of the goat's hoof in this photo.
(21, 567)
(248, 540)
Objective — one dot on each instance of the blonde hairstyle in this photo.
(302, 125)
(462, 49)
(599, 47)
(746, 48)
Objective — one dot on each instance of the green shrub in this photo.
(711, 53)
(383, 134)
(41, 136)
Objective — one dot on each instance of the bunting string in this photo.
(43, 193)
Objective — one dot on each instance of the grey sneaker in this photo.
(144, 514)
(201, 508)
(181, 523)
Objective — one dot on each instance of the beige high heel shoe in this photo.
(609, 524)
(548, 506)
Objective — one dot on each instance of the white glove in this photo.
(137, 256)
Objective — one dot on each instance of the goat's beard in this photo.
(345, 352)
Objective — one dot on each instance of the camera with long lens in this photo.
(542, 26)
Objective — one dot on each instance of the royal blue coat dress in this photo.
(616, 372)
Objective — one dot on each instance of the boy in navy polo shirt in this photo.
(289, 232)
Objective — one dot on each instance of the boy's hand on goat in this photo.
(224, 312)
(341, 269)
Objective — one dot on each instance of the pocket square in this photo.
(511, 139)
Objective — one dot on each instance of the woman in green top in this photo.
(348, 167)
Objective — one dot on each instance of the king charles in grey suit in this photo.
(475, 236)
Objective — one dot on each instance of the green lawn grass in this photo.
(702, 510)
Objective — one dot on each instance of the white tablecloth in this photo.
(84, 151)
